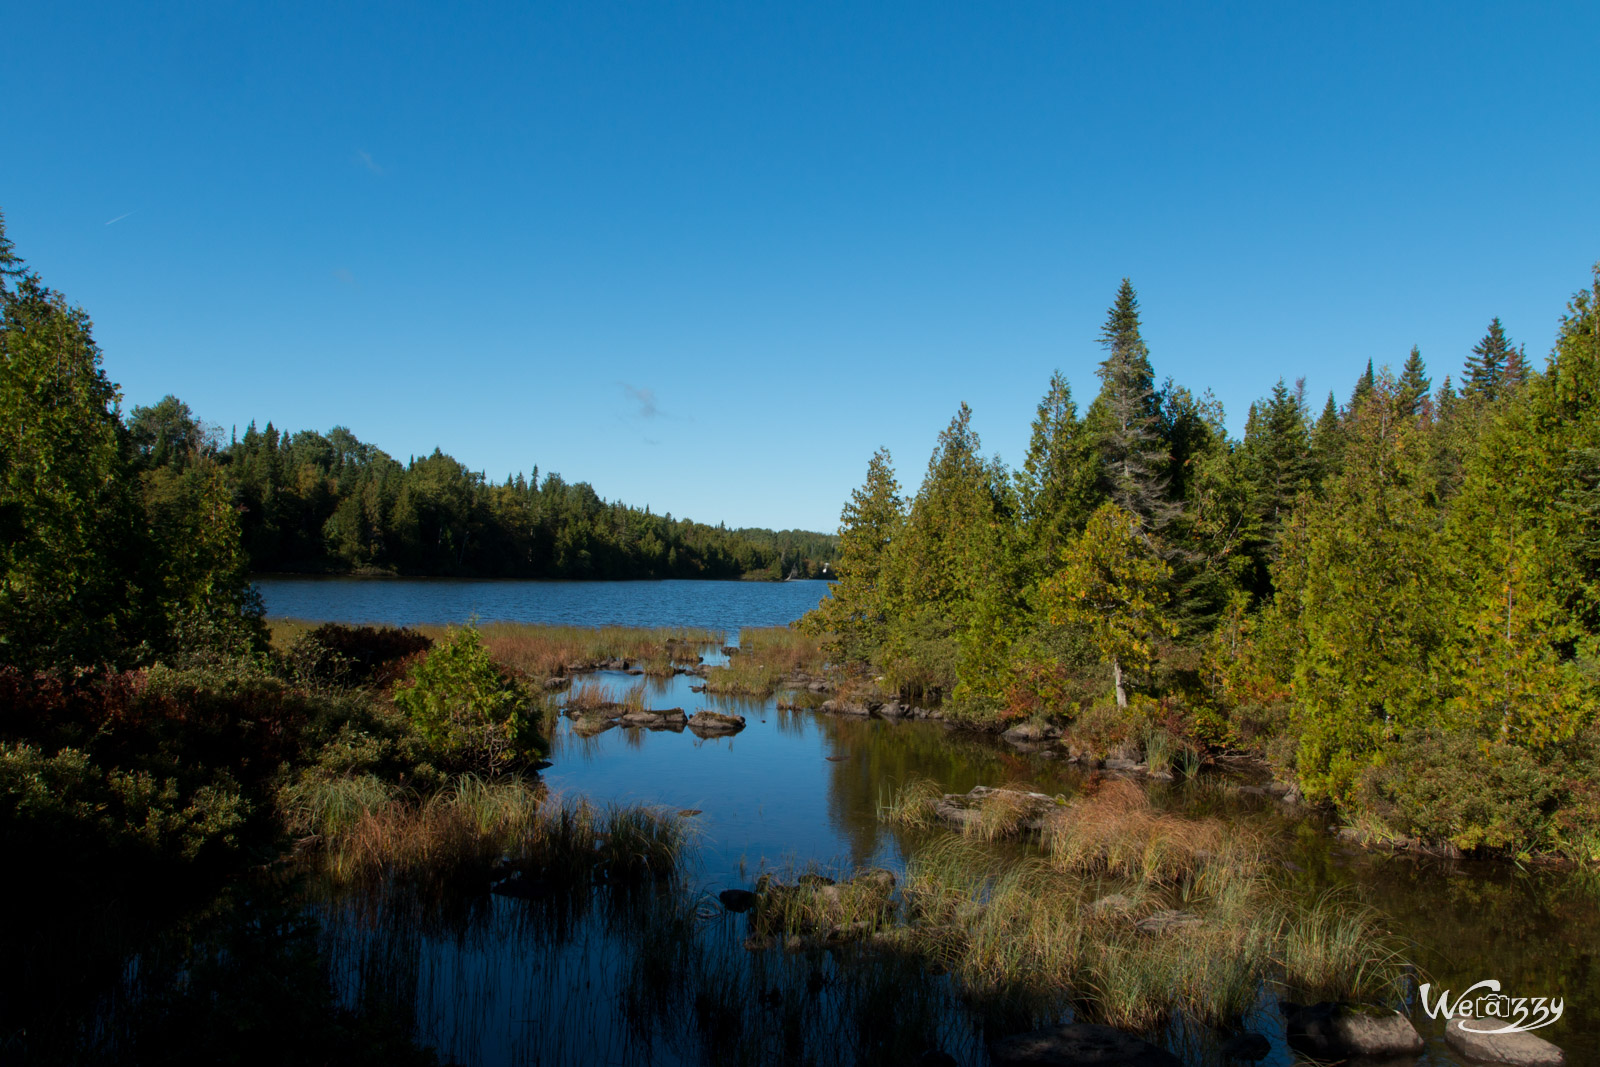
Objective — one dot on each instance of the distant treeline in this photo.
(313, 502)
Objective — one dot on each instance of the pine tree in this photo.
(955, 587)
(1367, 582)
(1363, 389)
(1056, 487)
(1486, 367)
(1327, 443)
(855, 612)
(1411, 391)
(1125, 419)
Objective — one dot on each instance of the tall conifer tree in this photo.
(1126, 418)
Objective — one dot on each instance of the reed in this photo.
(1336, 949)
(328, 807)
(787, 649)
(458, 831)
(912, 805)
(590, 696)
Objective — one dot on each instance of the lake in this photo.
(797, 789)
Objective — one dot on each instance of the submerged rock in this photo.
(1079, 1045)
(1522, 1049)
(1335, 1031)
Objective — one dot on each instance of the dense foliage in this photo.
(1397, 599)
(328, 502)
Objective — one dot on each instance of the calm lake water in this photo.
(796, 789)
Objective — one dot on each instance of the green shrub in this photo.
(1452, 787)
(464, 708)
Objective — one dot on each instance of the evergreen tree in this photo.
(1125, 419)
(1486, 367)
(1112, 582)
(1411, 391)
(1056, 487)
(954, 583)
(1366, 582)
(69, 524)
(1327, 443)
(855, 611)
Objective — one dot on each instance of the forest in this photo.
(330, 503)
(1394, 600)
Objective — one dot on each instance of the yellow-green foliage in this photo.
(1112, 581)
(464, 707)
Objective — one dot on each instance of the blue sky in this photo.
(708, 257)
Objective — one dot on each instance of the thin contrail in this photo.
(119, 218)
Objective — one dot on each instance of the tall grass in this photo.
(912, 805)
(1336, 949)
(458, 831)
(590, 696)
(1115, 829)
(542, 651)
(783, 647)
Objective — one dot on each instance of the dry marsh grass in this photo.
(479, 825)
(1130, 916)
(590, 696)
(785, 648)
(543, 651)
(1115, 829)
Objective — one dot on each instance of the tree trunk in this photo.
(1116, 674)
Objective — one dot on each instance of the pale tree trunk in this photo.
(1116, 674)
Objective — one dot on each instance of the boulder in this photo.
(656, 720)
(1337, 1031)
(962, 810)
(1078, 1045)
(715, 724)
(1119, 763)
(737, 900)
(555, 684)
(1032, 732)
(1466, 1036)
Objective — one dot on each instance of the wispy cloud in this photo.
(119, 218)
(645, 397)
(365, 159)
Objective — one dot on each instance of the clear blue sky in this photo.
(709, 257)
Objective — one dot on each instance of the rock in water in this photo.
(1336, 1031)
(737, 900)
(1522, 1049)
(715, 724)
(1078, 1045)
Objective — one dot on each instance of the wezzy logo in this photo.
(1519, 1014)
